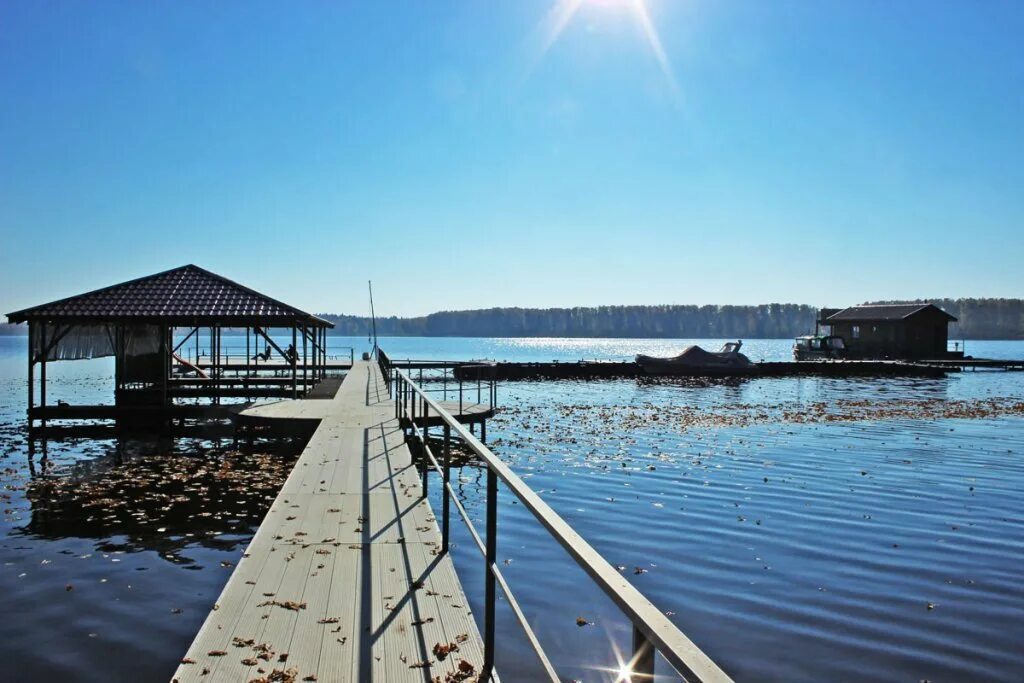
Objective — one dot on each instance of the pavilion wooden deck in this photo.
(345, 579)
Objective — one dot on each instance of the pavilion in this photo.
(135, 323)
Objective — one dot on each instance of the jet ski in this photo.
(696, 361)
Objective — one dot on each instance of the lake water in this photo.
(796, 529)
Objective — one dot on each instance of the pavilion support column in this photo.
(248, 356)
(31, 373)
(217, 367)
(42, 374)
(305, 361)
(163, 367)
(118, 363)
(295, 367)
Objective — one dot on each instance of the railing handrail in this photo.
(678, 650)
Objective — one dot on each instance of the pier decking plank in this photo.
(344, 576)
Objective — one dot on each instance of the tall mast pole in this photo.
(373, 318)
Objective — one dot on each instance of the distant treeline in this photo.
(979, 319)
(765, 321)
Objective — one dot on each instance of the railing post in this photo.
(492, 558)
(643, 657)
(445, 504)
(426, 438)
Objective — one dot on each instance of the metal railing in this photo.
(652, 630)
(441, 379)
(202, 354)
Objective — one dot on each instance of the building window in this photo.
(856, 331)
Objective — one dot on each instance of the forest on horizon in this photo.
(978, 319)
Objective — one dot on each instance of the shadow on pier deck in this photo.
(349, 577)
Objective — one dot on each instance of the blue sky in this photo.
(809, 152)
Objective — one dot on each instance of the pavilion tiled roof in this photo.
(883, 312)
(181, 296)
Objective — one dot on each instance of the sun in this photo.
(563, 11)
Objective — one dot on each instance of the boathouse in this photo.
(144, 323)
(893, 331)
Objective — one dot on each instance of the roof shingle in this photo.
(883, 312)
(184, 295)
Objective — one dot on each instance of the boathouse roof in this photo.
(188, 295)
(885, 312)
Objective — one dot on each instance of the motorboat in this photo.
(819, 347)
(695, 360)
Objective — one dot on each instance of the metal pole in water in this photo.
(492, 554)
(643, 657)
(447, 477)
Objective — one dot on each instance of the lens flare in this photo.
(561, 14)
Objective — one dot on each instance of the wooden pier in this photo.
(345, 579)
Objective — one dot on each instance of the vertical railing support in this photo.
(445, 503)
(643, 657)
(426, 439)
(489, 582)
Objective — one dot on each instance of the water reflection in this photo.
(160, 495)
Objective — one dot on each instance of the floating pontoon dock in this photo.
(618, 369)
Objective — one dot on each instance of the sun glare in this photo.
(563, 11)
